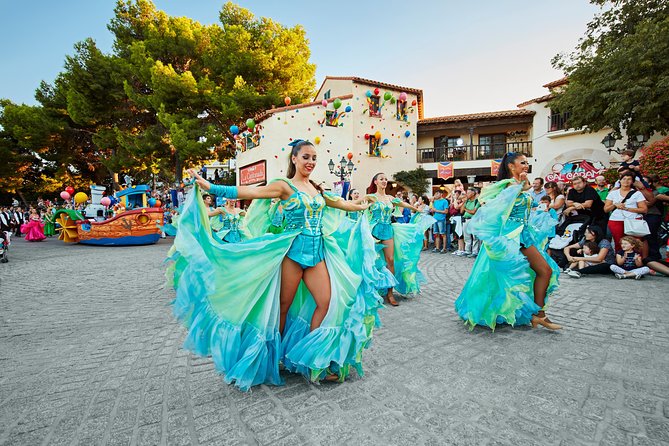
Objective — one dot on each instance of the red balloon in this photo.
(413, 102)
(349, 156)
(366, 135)
(286, 100)
(158, 203)
(69, 190)
(376, 91)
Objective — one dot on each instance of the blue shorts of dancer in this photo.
(232, 237)
(382, 231)
(307, 250)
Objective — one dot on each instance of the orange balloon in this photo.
(159, 203)
(377, 135)
(349, 156)
(286, 100)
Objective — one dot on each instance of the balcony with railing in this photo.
(465, 152)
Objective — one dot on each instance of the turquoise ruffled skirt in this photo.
(500, 286)
(227, 296)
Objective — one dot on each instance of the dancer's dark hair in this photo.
(372, 187)
(350, 194)
(296, 145)
(504, 173)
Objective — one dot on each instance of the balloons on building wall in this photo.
(234, 130)
(317, 140)
(368, 94)
(250, 123)
(387, 95)
(324, 102)
(336, 103)
(377, 135)
(349, 156)
(80, 197)
(64, 195)
(69, 190)
(286, 100)
(385, 141)
(366, 135)
(403, 96)
(376, 91)
(407, 133)
(413, 102)
(348, 109)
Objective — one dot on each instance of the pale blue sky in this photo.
(467, 56)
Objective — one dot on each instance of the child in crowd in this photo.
(590, 249)
(628, 259)
(629, 163)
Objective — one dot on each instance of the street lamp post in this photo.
(633, 143)
(343, 170)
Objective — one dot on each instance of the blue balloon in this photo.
(348, 109)
(407, 133)
(385, 141)
(234, 129)
(152, 202)
(368, 94)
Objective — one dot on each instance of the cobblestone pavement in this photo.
(90, 354)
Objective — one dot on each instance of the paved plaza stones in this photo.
(90, 354)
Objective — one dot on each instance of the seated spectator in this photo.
(557, 198)
(583, 200)
(599, 264)
(629, 262)
(659, 266)
(589, 251)
(624, 203)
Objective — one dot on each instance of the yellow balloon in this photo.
(377, 135)
(80, 197)
(317, 140)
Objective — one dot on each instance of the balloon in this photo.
(69, 190)
(403, 96)
(234, 130)
(392, 100)
(368, 94)
(349, 156)
(377, 135)
(80, 197)
(286, 100)
(407, 133)
(159, 203)
(250, 123)
(336, 103)
(64, 195)
(385, 141)
(348, 109)
(376, 91)
(152, 202)
(105, 201)
(387, 96)
(366, 135)
(324, 102)
(317, 140)
(413, 102)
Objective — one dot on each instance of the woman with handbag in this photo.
(627, 206)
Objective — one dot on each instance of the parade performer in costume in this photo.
(49, 223)
(402, 243)
(304, 297)
(231, 217)
(513, 274)
(354, 196)
(34, 228)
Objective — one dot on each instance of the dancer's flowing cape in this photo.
(500, 286)
(227, 296)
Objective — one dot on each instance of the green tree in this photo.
(619, 72)
(416, 180)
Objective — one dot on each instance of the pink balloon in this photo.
(324, 102)
(403, 96)
(64, 195)
(105, 201)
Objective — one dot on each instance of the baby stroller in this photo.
(567, 233)
(4, 246)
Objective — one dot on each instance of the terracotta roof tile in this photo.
(556, 83)
(477, 116)
(267, 113)
(538, 100)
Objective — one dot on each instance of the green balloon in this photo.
(250, 123)
(387, 96)
(336, 103)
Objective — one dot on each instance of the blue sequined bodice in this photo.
(380, 212)
(521, 208)
(231, 221)
(303, 212)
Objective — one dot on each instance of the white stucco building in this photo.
(366, 110)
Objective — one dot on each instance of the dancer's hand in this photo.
(364, 204)
(204, 184)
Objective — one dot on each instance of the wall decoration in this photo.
(445, 170)
(588, 169)
(332, 117)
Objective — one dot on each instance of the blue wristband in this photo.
(224, 191)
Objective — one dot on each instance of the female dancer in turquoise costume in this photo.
(512, 276)
(304, 297)
(402, 243)
(354, 196)
(231, 218)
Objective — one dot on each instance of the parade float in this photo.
(135, 222)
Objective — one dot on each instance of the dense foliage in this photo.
(416, 180)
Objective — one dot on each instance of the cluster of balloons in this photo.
(155, 203)
(250, 124)
(79, 197)
(377, 136)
